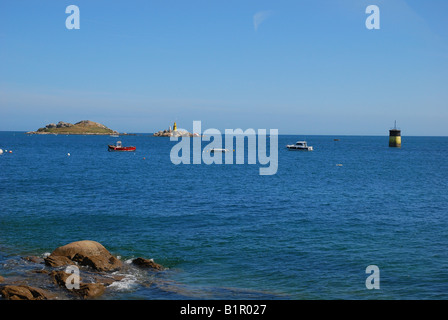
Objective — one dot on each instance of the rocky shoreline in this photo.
(79, 270)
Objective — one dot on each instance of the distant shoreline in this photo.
(75, 133)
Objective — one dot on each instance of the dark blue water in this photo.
(224, 231)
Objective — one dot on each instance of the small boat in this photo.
(114, 135)
(119, 147)
(300, 145)
(218, 150)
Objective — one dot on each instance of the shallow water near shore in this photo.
(224, 231)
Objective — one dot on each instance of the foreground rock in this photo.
(12, 292)
(85, 253)
(147, 263)
(90, 280)
(89, 290)
(60, 277)
(85, 290)
(33, 259)
(57, 261)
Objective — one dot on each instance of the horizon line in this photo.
(283, 134)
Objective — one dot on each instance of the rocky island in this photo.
(174, 133)
(81, 127)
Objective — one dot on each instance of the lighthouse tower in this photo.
(175, 127)
(395, 137)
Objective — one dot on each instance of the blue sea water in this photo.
(226, 232)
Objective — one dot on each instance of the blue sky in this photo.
(302, 67)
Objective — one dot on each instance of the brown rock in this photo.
(60, 277)
(88, 253)
(2, 279)
(89, 290)
(98, 263)
(33, 259)
(84, 247)
(147, 263)
(85, 291)
(12, 292)
(57, 261)
(39, 271)
(108, 280)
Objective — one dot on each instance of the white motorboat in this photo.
(300, 145)
(218, 150)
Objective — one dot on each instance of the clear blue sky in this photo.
(304, 67)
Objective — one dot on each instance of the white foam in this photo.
(127, 283)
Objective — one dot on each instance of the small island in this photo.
(82, 127)
(175, 133)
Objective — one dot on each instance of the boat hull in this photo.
(300, 149)
(121, 149)
(218, 150)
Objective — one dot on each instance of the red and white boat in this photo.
(119, 147)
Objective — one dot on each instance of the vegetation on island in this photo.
(82, 127)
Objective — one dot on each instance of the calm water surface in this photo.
(224, 231)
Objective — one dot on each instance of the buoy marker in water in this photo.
(68, 154)
(1, 151)
(395, 137)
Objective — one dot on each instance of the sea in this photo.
(311, 231)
